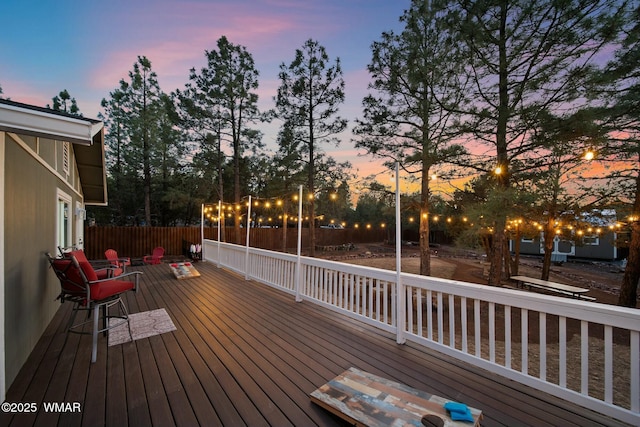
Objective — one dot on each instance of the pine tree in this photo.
(409, 118)
(308, 98)
(223, 95)
(65, 103)
(618, 86)
(525, 58)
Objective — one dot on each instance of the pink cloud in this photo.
(21, 91)
(268, 31)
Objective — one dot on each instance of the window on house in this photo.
(591, 240)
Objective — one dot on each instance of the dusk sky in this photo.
(86, 47)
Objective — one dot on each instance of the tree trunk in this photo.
(515, 268)
(507, 258)
(629, 289)
(548, 248)
(311, 184)
(502, 158)
(221, 214)
(425, 251)
(495, 257)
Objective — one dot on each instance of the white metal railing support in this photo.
(401, 301)
(299, 248)
(246, 254)
(220, 223)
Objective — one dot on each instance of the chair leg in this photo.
(105, 317)
(74, 312)
(125, 312)
(94, 348)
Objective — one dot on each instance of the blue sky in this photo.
(86, 47)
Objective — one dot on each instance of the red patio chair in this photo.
(79, 283)
(98, 267)
(112, 257)
(155, 257)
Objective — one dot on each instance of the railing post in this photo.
(220, 223)
(202, 258)
(246, 254)
(298, 263)
(401, 293)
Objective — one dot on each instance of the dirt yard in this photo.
(603, 279)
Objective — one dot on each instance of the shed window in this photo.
(591, 240)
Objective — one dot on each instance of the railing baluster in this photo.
(476, 320)
(608, 364)
(452, 322)
(370, 289)
(524, 340)
(492, 332)
(385, 301)
(409, 309)
(634, 374)
(507, 336)
(463, 323)
(584, 357)
(429, 315)
(439, 311)
(419, 310)
(562, 346)
(543, 346)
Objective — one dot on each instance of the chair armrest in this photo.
(120, 277)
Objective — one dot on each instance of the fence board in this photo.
(136, 242)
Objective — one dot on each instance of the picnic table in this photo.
(556, 287)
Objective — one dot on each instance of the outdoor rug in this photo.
(143, 325)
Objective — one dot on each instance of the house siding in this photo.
(604, 250)
(30, 232)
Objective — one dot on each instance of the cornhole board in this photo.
(184, 270)
(364, 399)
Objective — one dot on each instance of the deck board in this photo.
(247, 354)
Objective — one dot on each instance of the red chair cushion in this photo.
(87, 268)
(102, 290)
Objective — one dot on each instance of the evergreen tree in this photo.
(525, 58)
(223, 93)
(143, 104)
(65, 103)
(115, 120)
(174, 198)
(417, 86)
(619, 90)
(308, 97)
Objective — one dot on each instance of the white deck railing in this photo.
(584, 352)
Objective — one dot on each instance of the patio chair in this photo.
(80, 284)
(102, 269)
(112, 257)
(155, 257)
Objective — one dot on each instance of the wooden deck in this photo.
(247, 354)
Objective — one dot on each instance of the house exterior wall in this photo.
(33, 180)
(605, 248)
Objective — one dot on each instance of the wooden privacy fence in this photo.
(136, 242)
